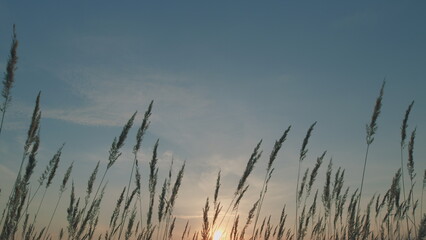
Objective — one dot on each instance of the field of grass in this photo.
(334, 211)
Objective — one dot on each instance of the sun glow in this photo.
(218, 235)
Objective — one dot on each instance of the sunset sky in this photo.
(223, 75)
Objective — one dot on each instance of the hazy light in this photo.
(218, 235)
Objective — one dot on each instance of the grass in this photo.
(331, 211)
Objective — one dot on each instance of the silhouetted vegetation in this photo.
(332, 211)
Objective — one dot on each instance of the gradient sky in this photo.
(223, 75)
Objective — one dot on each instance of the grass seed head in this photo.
(372, 127)
(66, 177)
(54, 163)
(142, 129)
(9, 75)
(405, 125)
(303, 150)
(249, 167)
(410, 164)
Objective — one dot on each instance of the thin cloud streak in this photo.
(108, 96)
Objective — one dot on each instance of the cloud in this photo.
(186, 113)
(110, 96)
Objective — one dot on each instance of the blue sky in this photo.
(223, 75)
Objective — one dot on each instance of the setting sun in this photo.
(218, 235)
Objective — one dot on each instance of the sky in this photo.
(223, 75)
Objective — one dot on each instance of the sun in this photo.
(218, 234)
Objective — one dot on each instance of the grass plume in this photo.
(277, 146)
(371, 129)
(302, 156)
(9, 77)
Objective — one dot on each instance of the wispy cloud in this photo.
(185, 112)
(109, 96)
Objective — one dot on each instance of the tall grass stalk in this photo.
(302, 156)
(19, 195)
(268, 175)
(242, 188)
(217, 205)
(138, 184)
(9, 77)
(205, 231)
(61, 191)
(31, 141)
(90, 184)
(126, 209)
(153, 176)
(327, 196)
(371, 131)
(165, 194)
(114, 152)
(53, 165)
(249, 219)
(412, 175)
(115, 214)
(139, 137)
(185, 230)
(40, 181)
(403, 138)
(281, 225)
(171, 202)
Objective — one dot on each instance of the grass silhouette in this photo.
(335, 212)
